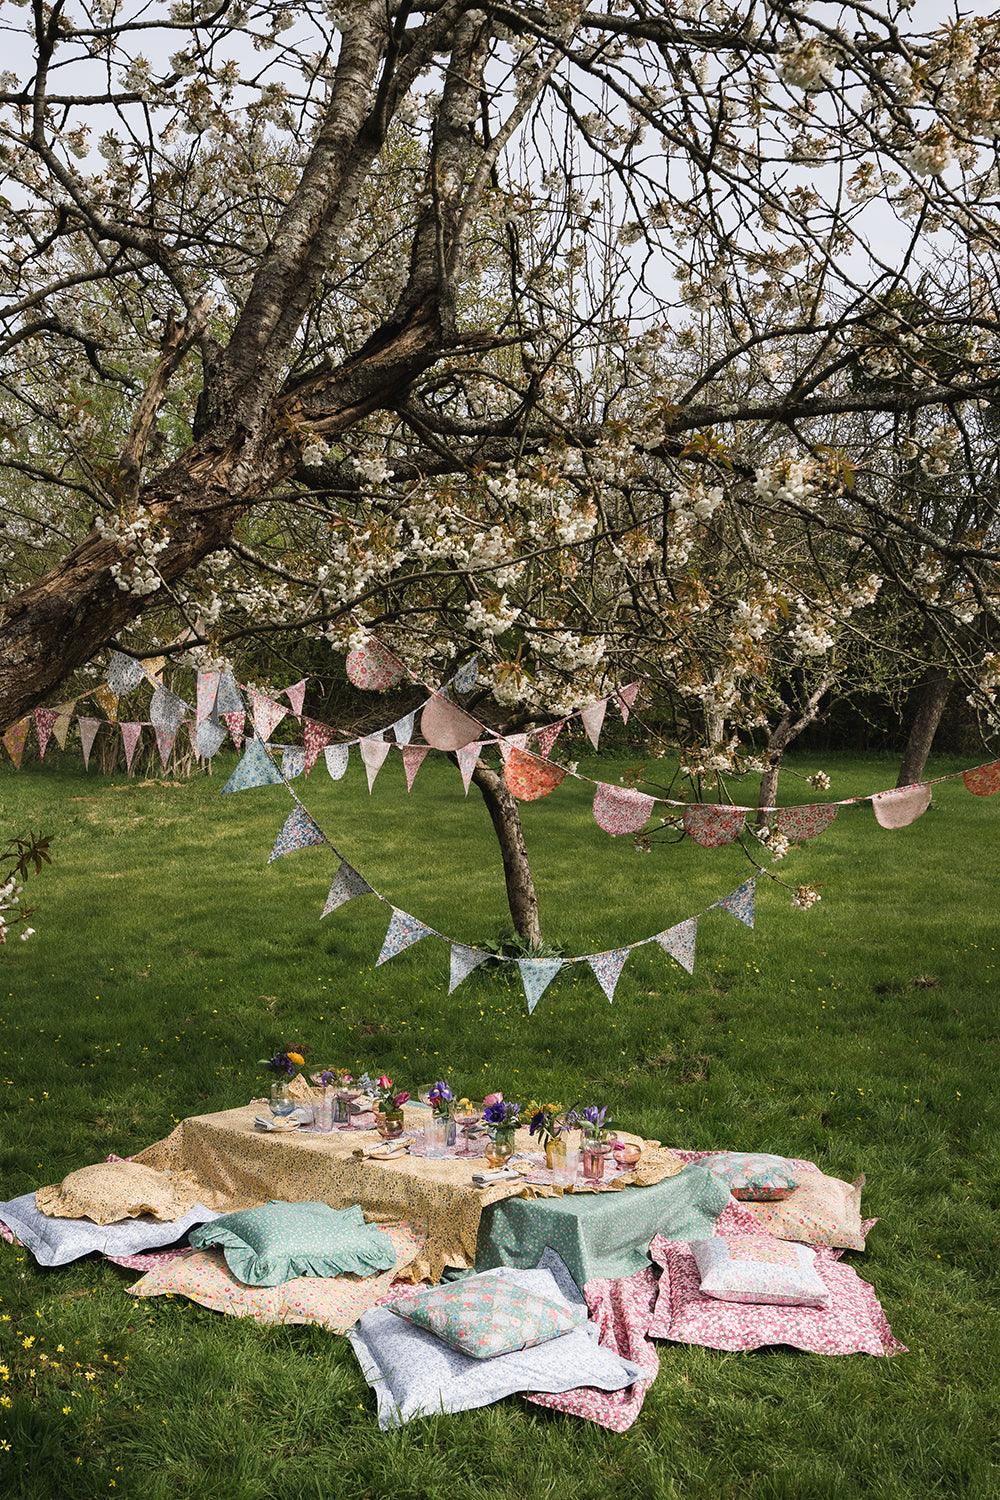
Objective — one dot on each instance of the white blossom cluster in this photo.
(810, 65)
(11, 902)
(135, 573)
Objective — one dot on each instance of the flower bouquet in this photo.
(283, 1067)
(594, 1121)
(389, 1103)
(502, 1118)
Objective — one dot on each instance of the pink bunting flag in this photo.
(236, 724)
(592, 719)
(296, 695)
(445, 726)
(316, 737)
(528, 777)
(625, 699)
(621, 809)
(712, 824)
(904, 805)
(166, 734)
(547, 736)
(468, 760)
(15, 737)
(983, 781)
(267, 714)
(509, 743)
(807, 822)
(413, 758)
(45, 719)
(207, 691)
(131, 735)
(88, 732)
(373, 667)
(373, 753)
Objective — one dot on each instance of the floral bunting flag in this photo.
(621, 809)
(800, 823)
(131, 735)
(267, 714)
(255, 769)
(165, 743)
(741, 902)
(296, 695)
(236, 724)
(124, 673)
(404, 931)
(983, 781)
(625, 699)
(413, 758)
(347, 883)
(510, 743)
(373, 667)
(299, 831)
(467, 676)
(106, 699)
(45, 718)
(228, 699)
(61, 723)
(166, 709)
(712, 824)
(403, 728)
(88, 732)
(463, 961)
(529, 777)
(608, 967)
(547, 736)
(445, 726)
(293, 761)
(373, 753)
(336, 757)
(679, 942)
(205, 694)
(208, 738)
(468, 760)
(592, 719)
(16, 737)
(316, 736)
(536, 976)
(902, 806)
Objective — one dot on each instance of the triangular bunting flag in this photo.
(347, 883)
(413, 758)
(536, 976)
(206, 694)
(105, 698)
(373, 667)
(466, 677)
(255, 769)
(165, 743)
(740, 903)
(445, 726)
(228, 699)
(45, 718)
(373, 753)
(529, 777)
(166, 710)
(625, 699)
(131, 735)
(463, 961)
(296, 695)
(293, 761)
(468, 760)
(267, 714)
(209, 738)
(316, 736)
(403, 932)
(124, 673)
(61, 723)
(88, 731)
(299, 831)
(547, 736)
(336, 757)
(608, 967)
(16, 737)
(403, 728)
(236, 724)
(680, 942)
(511, 742)
(592, 719)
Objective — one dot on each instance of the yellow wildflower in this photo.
(27, 1341)
(5, 1401)
(297, 1059)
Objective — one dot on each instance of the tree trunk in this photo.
(932, 698)
(769, 787)
(506, 818)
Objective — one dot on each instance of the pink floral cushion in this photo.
(757, 1268)
(487, 1315)
(853, 1323)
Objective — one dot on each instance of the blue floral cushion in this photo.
(754, 1176)
(280, 1241)
(56, 1242)
(758, 1268)
(487, 1315)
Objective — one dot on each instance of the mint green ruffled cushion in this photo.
(487, 1315)
(266, 1246)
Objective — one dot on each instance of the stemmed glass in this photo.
(467, 1120)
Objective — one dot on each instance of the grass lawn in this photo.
(861, 1034)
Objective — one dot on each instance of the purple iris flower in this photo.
(501, 1113)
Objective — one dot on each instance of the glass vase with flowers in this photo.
(593, 1121)
(389, 1103)
(502, 1118)
(440, 1098)
(548, 1123)
(283, 1066)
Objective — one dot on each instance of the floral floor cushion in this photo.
(758, 1268)
(487, 1315)
(56, 1242)
(281, 1241)
(821, 1211)
(334, 1302)
(853, 1323)
(110, 1191)
(754, 1176)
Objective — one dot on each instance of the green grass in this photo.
(861, 1034)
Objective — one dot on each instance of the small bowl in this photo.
(626, 1154)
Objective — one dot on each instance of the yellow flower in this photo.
(297, 1059)
(66, 1410)
(27, 1341)
(5, 1401)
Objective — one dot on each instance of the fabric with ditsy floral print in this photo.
(713, 824)
(798, 824)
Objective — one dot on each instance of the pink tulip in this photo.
(492, 1099)
(385, 1082)
(402, 1097)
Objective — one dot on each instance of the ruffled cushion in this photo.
(111, 1191)
(280, 1241)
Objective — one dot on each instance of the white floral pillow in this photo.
(756, 1268)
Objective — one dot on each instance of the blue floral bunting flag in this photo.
(347, 883)
(608, 967)
(463, 961)
(336, 757)
(299, 831)
(536, 976)
(403, 932)
(166, 710)
(467, 676)
(679, 942)
(403, 728)
(740, 903)
(228, 699)
(255, 769)
(209, 737)
(293, 761)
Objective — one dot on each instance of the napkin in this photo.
(499, 1174)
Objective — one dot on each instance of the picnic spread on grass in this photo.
(471, 1251)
